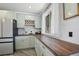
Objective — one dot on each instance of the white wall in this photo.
(60, 27)
(69, 25)
(55, 23)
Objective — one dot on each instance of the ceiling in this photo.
(24, 7)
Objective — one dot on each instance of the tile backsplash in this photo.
(27, 30)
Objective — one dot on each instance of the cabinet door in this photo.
(27, 42)
(19, 43)
(7, 27)
(6, 48)
(22, 42)
(43, 50)
(32, 41)
(20, 20)
(38, 48)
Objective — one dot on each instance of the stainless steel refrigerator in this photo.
(6, 36)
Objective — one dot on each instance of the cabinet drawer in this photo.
(19, 43)
(6, 40)
(6, 48)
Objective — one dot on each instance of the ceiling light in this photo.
(30, 7)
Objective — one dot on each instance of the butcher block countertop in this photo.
(56, 46)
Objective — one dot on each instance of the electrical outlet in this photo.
(70, 34)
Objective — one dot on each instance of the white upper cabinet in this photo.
(20, 20)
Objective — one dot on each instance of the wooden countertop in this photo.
(57, 46)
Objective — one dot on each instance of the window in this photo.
(48, 23)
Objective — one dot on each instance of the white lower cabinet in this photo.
(6, 48)
(32, 41)
(48, 53)
(37, 48)
(42, 50)
(23, 42)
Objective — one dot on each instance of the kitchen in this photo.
(25, 26)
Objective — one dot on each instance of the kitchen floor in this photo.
(25, 52)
